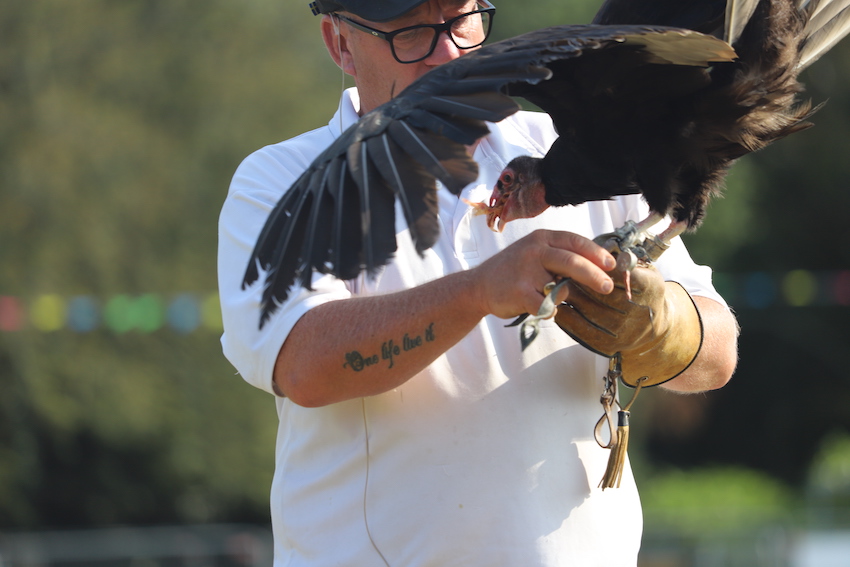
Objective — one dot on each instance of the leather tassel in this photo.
(618, 442)
(617, 457)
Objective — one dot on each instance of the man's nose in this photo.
(444, 51)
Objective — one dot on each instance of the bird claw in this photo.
(530, 327)
(631, 244)
(626, 260)
(627, 237)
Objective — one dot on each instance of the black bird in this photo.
(678, 159)
(628, 101)
(401, 148)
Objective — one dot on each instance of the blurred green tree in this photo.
(122, 123)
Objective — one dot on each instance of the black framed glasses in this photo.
(415, 43)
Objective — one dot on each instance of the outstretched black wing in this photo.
(339, 216)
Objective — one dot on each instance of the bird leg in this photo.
(629, 236)
(656, 245)
(627, 244)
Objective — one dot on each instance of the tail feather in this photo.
(812, 7)
(738, 14)
(829, 25)
(822, 12)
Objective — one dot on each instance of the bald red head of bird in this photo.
(519, 194)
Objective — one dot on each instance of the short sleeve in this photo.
(256, 187)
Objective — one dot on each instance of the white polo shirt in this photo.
(485, 458)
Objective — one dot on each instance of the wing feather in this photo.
(341, 221)
(272, 230)
(823, 34)
(413, 187)
(377, 209)
(318, 237)
(450, 163)
(738, 14)
(283, 261)
(487, 106)
(345, 261)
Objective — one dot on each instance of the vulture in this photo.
(679, 162)
(657, 97)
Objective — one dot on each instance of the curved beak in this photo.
(496, 209)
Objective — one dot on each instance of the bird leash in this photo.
(618, 428)
(618, 435)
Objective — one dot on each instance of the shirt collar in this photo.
(346, 114)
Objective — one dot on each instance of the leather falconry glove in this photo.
(650, 329)
(658, 331)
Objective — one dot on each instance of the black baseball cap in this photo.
(373, 10)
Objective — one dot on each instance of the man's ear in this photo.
(337, 44)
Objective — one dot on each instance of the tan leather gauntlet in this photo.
(658, 332)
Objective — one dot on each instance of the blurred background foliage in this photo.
(121, 123)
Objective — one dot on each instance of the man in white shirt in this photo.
(413, 429)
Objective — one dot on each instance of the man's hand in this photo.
(658, 331)
(512, 282)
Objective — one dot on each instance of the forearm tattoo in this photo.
(389, 350)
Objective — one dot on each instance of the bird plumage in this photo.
(638, 108)
(749, 104)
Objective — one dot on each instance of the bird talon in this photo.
(627, 260)
(623, 239)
